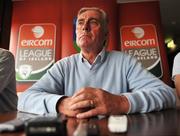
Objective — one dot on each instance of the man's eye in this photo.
(94, 22)
(80, 23)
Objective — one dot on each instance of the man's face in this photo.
(89, 31)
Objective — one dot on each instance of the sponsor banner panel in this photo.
(35, 51)
(141, 42)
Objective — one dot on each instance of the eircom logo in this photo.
(138, 32)
(37, 36)
(35, 50)
(141, 42)
(138, 36)
(38, 31)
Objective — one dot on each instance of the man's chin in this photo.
(84, 45)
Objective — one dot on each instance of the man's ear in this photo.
(107, 33)
(106, 38)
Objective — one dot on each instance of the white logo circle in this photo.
(38, 31)
(25, 71)
(138, 32)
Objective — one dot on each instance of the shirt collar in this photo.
(99, 57)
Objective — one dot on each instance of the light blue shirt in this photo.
(176, 66)
(115, 72)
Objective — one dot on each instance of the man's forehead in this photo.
(89, 14)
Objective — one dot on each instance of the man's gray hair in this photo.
(101, 11)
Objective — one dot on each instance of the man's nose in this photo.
(86, 26)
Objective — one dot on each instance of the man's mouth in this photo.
(84, 35)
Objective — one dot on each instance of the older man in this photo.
(8, 97)
(95, 81)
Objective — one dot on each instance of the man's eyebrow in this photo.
(92, 18)
(80, 19)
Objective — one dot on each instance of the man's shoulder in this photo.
(6, 55)
(69, 59)
(177, 57)
(118, 54)
(121, 58)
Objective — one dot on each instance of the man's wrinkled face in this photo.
(89, 30)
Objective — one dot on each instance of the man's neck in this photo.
(90, 56)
